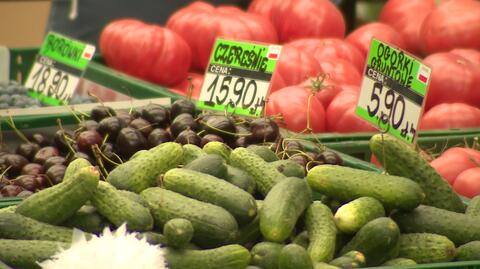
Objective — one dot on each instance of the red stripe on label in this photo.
(422, 78)
(273, 55)
(87, 55)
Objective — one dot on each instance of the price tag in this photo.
(58, 68)
(238, 77)
(393, 91)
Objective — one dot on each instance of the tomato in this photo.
(362, 36)
(453, 24)
(146, 51)
(449, 116)
(328, 48)
(407, 18)
(469, 54)
(340, 71)
(201, 23)
(296, 19)
(297, 106)
(293, 67)
(194, 79)
(324, 88)
(341, 115)
(454, 161)
(453, 79)
(468, 183)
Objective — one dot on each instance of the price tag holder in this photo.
(58, 68)
(393, 91)
(238, 77)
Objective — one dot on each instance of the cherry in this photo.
(44, 153)
(87, 139)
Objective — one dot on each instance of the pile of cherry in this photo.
(107, 138)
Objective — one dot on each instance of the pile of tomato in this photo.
(317, 80)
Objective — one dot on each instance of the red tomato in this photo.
(327, 48)
(194, 79)
(341, 115)
(453, 79)
(454, 161)
(146, 51)
(454, 24)
(469, 54)
(362, 36)
(449, 116)
(407, 18)
(293, 67)
(295, 19)
(201, 23)
(298, 106)
(340, 71)
(468, 183)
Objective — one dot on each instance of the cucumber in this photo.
(345, 184)
(426, 248)
(142, 172)
(322, 232)
(289, 168)
(138, 154)
(240, 179)
(119, 209)
(265, 176)
(302, 239)
(468, 252)
(56, 204)
(427, 219)
(252, 267)
(88, 220)
(8, 209)
(212, 224)
(4, 266)
(24, 254)
(352, 216)
(294, 256)
(265, 254)
(250, 232)
(322, 265)
(376, 238)
(191, 152)
(210, 164)
(282, 207)
(16, 226)
(153, 238)
(473, 208)
(400, 159)
(74, 166)
(225, 257)
(218, 148)
(135, 197)
(207, 188)
(399, 262)
(345, 263)
(178, 232)
(264, 152)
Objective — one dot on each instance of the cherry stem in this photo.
(12, 125)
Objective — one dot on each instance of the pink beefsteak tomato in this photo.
(451, 115)
(468, 183)
(193, 80)
(454, 161)
(471, 55)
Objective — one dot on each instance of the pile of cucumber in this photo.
(218, 208)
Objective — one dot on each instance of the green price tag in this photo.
(58, 68)
(393, 90)
(238, 77)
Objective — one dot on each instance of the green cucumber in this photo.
(88, 220)
(427, 219)
(376, 238)
(473, 208)
(225, 257)
(212, 224)
(153, 238)
(322, 265)
(252, 267)
(345, 262)
(74, 166)
(399, 262)
(133, 196)
(56, 204)
(265, 176)
(345, 184)
(210, 164)
(142, 172)
(118, 208)
(322, 232)
(218, 148)
(241, 179)
(468, 252)
(400, 159)
(24, 254)
(8, 209)
(264, 152)
(352, 216)
(289, 168)
(138, 154)
(265, 254)
(16, 226)
(4, 266)
(282, 207)
(250, 232)
(302, 239)
(426, 248)
(178, 232)
(191, 152)
(207, 188)
(294, 256)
